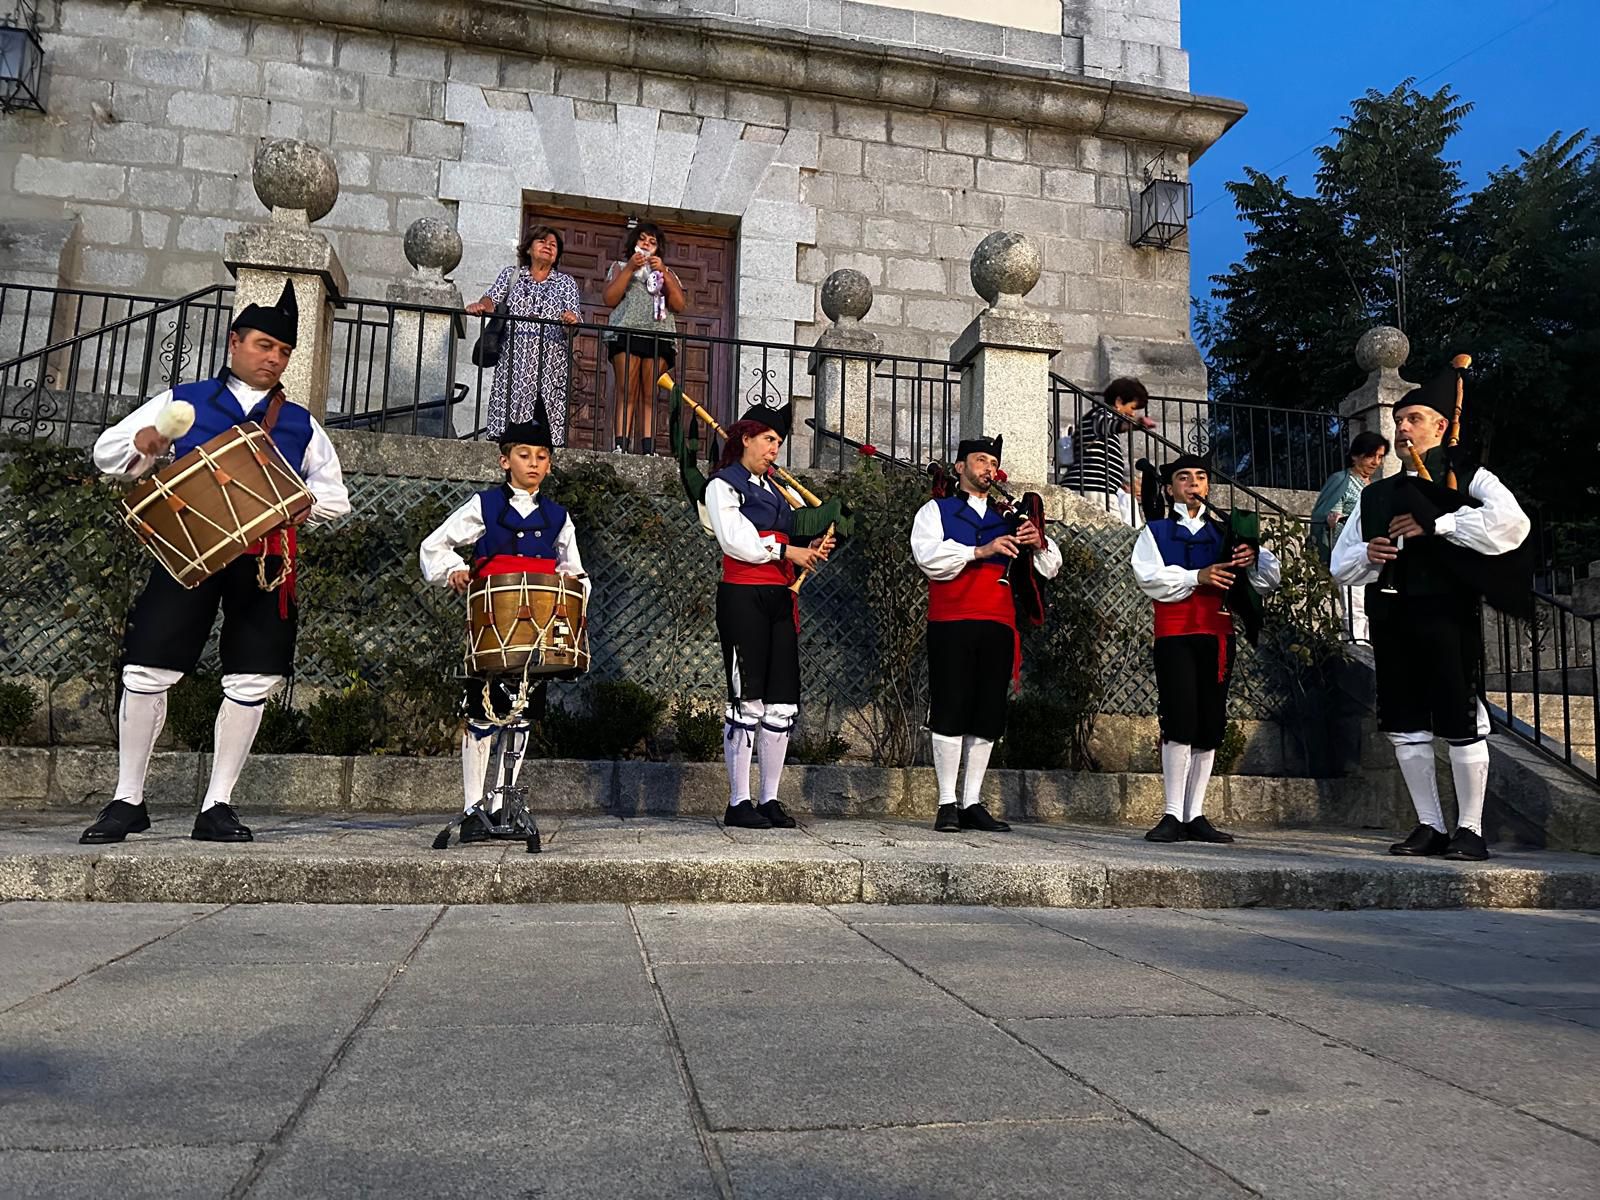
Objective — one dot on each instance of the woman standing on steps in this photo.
(642, 293)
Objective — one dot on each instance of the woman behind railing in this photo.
(534, 360)
(642, 293)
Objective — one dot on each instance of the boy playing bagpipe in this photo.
(1202, 572)
(512, 529)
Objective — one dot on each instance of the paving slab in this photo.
(591, 1112)
(743, 933)
(801, 1045)
(1033, 1160)
(139, 1172)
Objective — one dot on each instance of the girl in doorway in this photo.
(642, 293)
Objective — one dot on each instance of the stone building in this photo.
(776, 140)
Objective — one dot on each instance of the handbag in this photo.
(486, 350)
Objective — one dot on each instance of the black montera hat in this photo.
(1184, 462)
(1439, 394)
(526, 433)
(981, 445)
(774, 418)
(281, 321)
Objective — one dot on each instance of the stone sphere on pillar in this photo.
(1382, 347)
(846, 296)
(433, 247)
(1005, 267)
(292, 177)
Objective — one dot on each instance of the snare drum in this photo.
(200, 513)
(527, 622)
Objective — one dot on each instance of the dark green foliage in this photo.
(816, 749)
(616, 719)
(1231, 750)
(1509, 274)
(347, 721)
(284, 730)
(698, 730)
(1039, 735)
(192, 705)
(18, 707)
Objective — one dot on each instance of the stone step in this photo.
(387, 860)
(82, 777)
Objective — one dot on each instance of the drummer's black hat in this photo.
(281, 320)
(526, 433)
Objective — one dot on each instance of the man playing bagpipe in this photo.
(965, 543)
(1202, 572)
(770, 540)
(512, 529)
(169, 624)
(1427, 553)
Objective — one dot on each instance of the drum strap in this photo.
(275, 401)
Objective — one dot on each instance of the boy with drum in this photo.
(169, 624)
(512, 529)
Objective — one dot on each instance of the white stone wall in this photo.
(155, 112)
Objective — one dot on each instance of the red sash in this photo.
(273, 544)
(513, 564)
(780, 573)
(979, 594)
(1201, 612)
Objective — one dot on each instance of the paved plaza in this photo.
(192, 1050)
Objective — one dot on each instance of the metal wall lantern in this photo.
(1162, 210)
(21, 59)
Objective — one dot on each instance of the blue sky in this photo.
(1298, 64)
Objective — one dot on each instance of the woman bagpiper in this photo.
(757, 614)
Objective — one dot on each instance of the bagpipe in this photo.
(1505, 581)
(813, 517)
(1239, 528)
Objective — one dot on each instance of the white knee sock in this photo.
(772, 745)
(978, 751)
(946, 765)
(235, 734)
(477, 746)
(1175, 776)
(1422, 780)
(1194, 791)
(140, 717)
(1469, 768)
(738, 740)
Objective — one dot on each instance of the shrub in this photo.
(18, 707)
(817, 749)
(346, 722)
(1039, 735)
(284, 730)
(192, 705)
(1232, 748)
(622, 714)
(698, 730)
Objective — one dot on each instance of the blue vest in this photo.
(506, 531)
(766, 510)
(1181, 548)
(963, 525)
(217, 411)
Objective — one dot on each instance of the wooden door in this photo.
(704, 261)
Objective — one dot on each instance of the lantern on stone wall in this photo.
(1162, 209)
(21, 58)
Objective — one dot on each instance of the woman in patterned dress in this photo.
(534, 357)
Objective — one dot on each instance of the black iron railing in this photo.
(34, 317)
(1542, 680)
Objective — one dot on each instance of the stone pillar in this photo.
(1381, 351)
(1004, 357)
(422, 345)
(299, 183)
(842, 392)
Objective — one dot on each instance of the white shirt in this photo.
(114, 452)
(942, 560)
(465, 526)
(1498, 527)
(1171, 584)
(734, 532)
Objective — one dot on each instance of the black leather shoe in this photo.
(1202, 830)
(976, 816)
(745, 815)
(115, 822)
(1168, 829)
(476, 828)
(947, 820)
(1424, 841)
(219, 824)
(776, 814)
(1466, 846)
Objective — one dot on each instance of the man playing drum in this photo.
(512, 530)
(169, 624)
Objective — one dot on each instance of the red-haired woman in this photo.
(756, 615)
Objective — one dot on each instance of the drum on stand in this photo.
(201, 512)
(527, 623)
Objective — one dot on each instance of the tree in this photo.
(1509, 274)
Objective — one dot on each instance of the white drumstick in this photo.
(175, 420)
